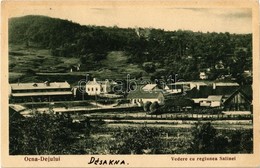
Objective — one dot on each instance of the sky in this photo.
(233, 20)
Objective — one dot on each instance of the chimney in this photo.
(198, 87)
(94, 79)
(214, 85)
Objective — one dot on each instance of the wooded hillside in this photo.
(158, 52)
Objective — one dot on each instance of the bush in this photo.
(203, 138)
(45, 134)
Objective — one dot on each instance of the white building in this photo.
(46, 91)
(99, 87)
(212, 101)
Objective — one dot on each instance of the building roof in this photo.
(214, 98)
(189, 83)
(149, 86)
(172, 87)
(226, 84)
(95, 82)
(137, 94)
(181, 83)
(203, 92)
(13, 114)
(41, 94)
(225, 90)
(45, 85)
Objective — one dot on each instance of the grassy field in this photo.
(22, 59)
(37, 65)
(26, 63)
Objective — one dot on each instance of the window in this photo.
(92, 89)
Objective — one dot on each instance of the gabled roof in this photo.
(172, 87)
(32, 86)
(138, 94)
(246, 92)
(149, 86)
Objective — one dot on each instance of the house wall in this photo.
(93, 89)
(215, 104)
(238, 103)
(174, 90)
(238, 99)
(207, 103)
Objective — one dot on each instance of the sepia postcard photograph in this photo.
(130, 84)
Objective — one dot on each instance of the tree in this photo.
(154, 107)
(147, 106)
(241, 141)
(149, 67)
(44, 134)
(220, 144)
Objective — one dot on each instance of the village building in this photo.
(240, 100)
(140, 97)
(212, 95)
(99, 87)
(179, 87)
(212, 101)
(47, 91)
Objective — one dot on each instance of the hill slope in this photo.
(113, 50)
(44, 31)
